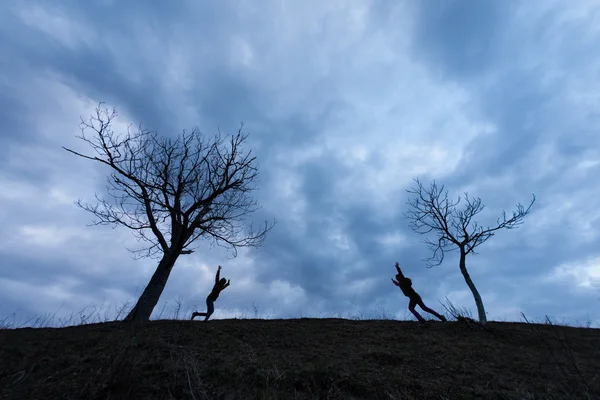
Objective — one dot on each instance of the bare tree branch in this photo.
(480, 235)
(430, 211)
(178, 189)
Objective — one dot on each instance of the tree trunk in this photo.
(149, 298)
(471, 285)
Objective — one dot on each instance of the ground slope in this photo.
(300, 358)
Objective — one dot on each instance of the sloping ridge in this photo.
(300, 359)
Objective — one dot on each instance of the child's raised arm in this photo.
(398, 269)
(218, 275)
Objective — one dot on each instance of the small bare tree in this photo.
(432, 212)
(171, 192)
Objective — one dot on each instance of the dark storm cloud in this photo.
(463, 38)
(345, 104)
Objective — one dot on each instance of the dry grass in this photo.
(300, 359)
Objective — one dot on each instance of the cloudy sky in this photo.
(346, 101)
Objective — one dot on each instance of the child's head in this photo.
(223, 281)
(398, 277)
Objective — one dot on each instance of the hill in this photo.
(300, 359)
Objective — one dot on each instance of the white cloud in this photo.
(45, 237)
(286, 294)
(393, 239)
(65, 28)
(584, 274)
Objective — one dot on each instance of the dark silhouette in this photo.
(172, 191)
(405, 284)
(220, 284)
(433, 213)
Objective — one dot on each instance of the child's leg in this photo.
(411, 308)
(198, 314)
(430, 311)
(210, 307)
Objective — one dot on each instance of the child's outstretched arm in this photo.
(399, 270)
(395, 283)
(227, 284)
(218, 275)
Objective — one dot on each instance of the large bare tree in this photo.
(171, 192)
(432, 213)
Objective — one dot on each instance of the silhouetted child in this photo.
(220, 284)
(405, 284)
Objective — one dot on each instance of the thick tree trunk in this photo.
(471, 285)
(149, 298)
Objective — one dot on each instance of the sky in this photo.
(346, 102)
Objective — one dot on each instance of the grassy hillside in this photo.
(300, 359)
